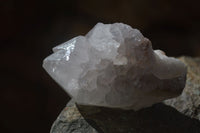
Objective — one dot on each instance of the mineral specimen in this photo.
(115, 66)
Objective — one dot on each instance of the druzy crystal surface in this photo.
(115, 66)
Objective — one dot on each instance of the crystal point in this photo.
(115, 66)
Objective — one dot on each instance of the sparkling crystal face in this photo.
(115, 66)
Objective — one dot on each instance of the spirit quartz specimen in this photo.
(115, 66)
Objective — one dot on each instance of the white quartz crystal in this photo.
(115, 66)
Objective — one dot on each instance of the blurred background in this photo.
(30, 99)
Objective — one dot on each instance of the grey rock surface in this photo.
(71, 121)
(177, 115)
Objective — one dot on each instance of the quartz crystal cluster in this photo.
(115, 66)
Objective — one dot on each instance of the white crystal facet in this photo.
(115, 66)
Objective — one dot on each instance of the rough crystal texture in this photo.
(115, 66)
